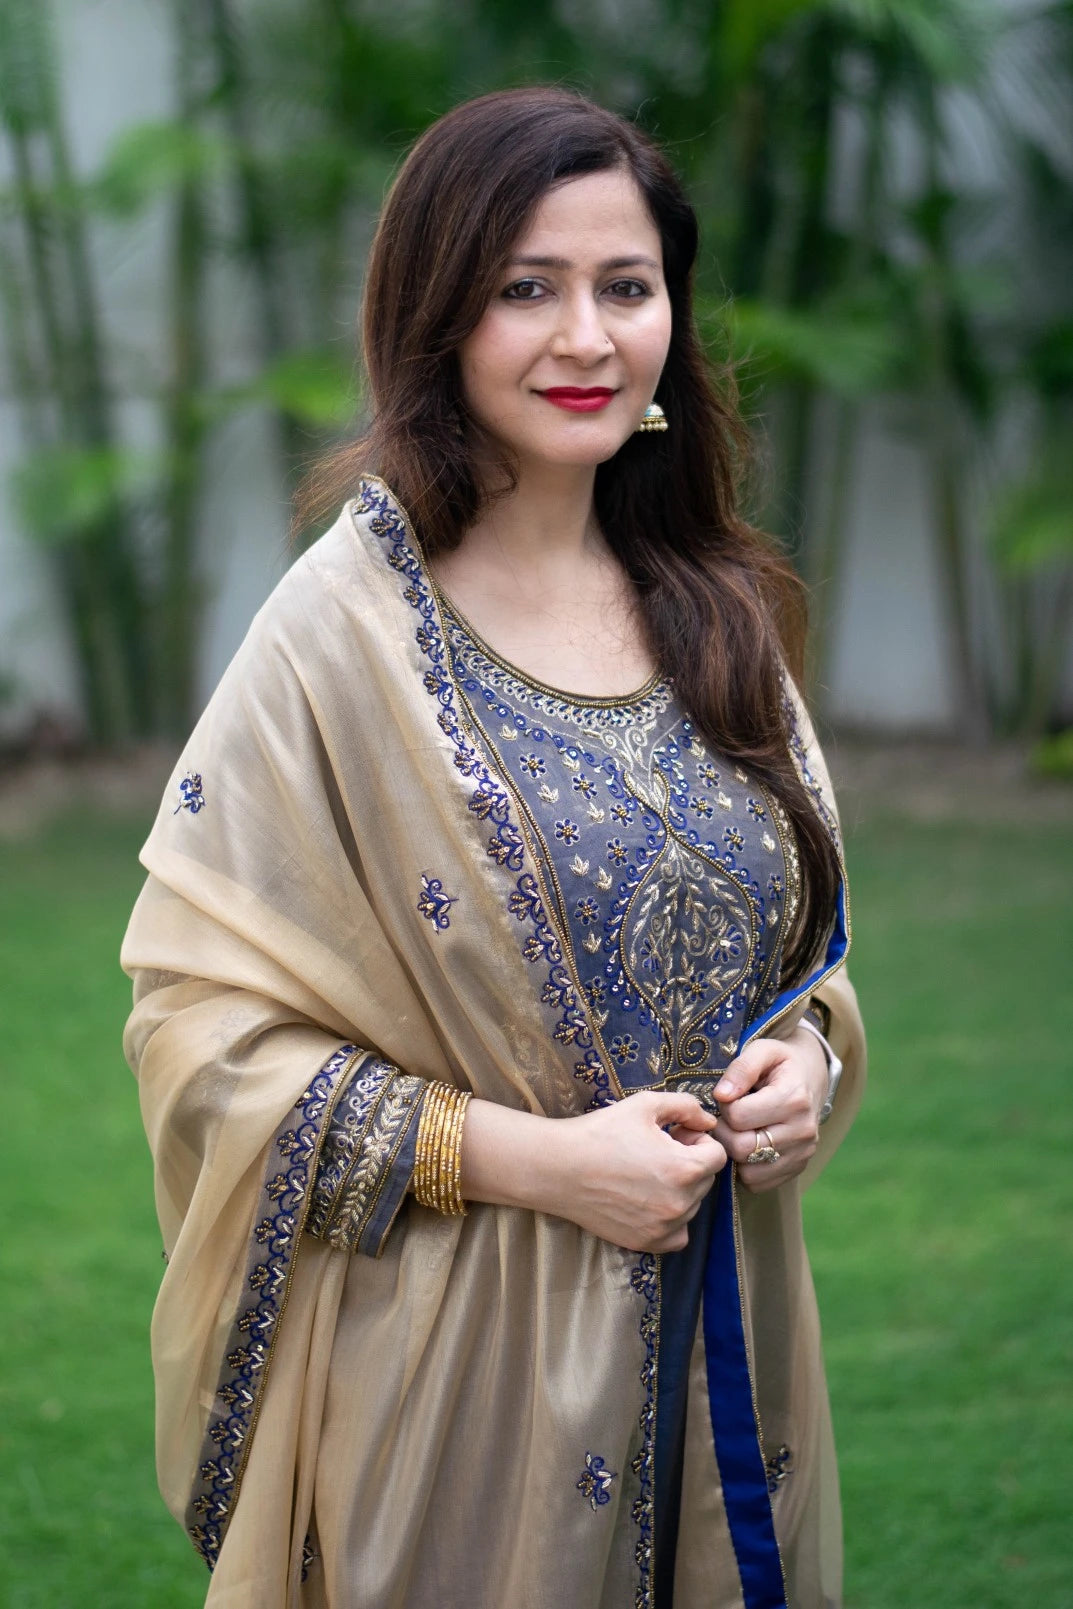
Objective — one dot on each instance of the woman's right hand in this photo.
(615, 1172)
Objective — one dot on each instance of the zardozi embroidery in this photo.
(595, 1482)
(779, 1466)
(249, 1347)
(192, 798)
(644, 1278)
(434, 903)
(488, 802)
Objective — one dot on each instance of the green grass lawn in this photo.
(941, 1235)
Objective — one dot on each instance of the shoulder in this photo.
(807, 755)
(334, 603)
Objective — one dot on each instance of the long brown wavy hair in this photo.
(724, 611)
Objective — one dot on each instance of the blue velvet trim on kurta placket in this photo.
(730, 1389)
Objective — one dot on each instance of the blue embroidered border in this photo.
(280, 1218)
(489, 801)
(645, 1279)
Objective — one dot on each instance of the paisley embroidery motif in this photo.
(688, 941)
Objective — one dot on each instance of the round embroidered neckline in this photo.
(585, 701)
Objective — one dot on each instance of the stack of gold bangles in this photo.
(438, 1159)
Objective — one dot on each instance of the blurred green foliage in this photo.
(886, 196)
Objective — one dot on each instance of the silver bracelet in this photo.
(834, 1068)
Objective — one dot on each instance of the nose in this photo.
(580, 331)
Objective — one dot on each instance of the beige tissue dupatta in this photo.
(324, 883)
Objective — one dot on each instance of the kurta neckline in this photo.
(579, 700)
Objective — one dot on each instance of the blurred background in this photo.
(187, 191)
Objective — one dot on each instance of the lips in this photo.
(578, 400)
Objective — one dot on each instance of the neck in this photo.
(544, 528)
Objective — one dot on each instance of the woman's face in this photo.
(567, 355)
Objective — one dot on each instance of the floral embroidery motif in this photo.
(193, 798)
(249, 1349)
(779, 1466)
(433, 903)
(595, 1482)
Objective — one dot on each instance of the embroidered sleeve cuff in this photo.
(367, 1159)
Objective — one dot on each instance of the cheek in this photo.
(652, 344)
(494, 357)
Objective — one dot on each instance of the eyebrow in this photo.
(565, 263)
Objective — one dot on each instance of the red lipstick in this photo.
(577, 400)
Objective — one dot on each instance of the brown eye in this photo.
(523, 290)
(628, 289)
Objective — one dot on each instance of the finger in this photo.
(740, 1144)
(756, 1059)
(671, 1107)
(787, 1101)
(710, 1154)
(757, 1110)
(736, 1143)
(686, 1136)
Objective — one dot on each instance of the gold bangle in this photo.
(437, 1175)
(441, 1151)
(436, 1105)
(425, 1139)
(449, 1154)
(456, 1170)
(443, 1123)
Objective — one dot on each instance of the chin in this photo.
(597, 448)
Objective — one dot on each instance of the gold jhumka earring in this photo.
(654, 418)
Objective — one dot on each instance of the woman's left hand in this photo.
(778, 1086)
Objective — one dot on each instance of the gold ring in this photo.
(763, 1153)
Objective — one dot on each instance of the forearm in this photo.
(513, 1159)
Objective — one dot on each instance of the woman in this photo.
(448, 1319)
